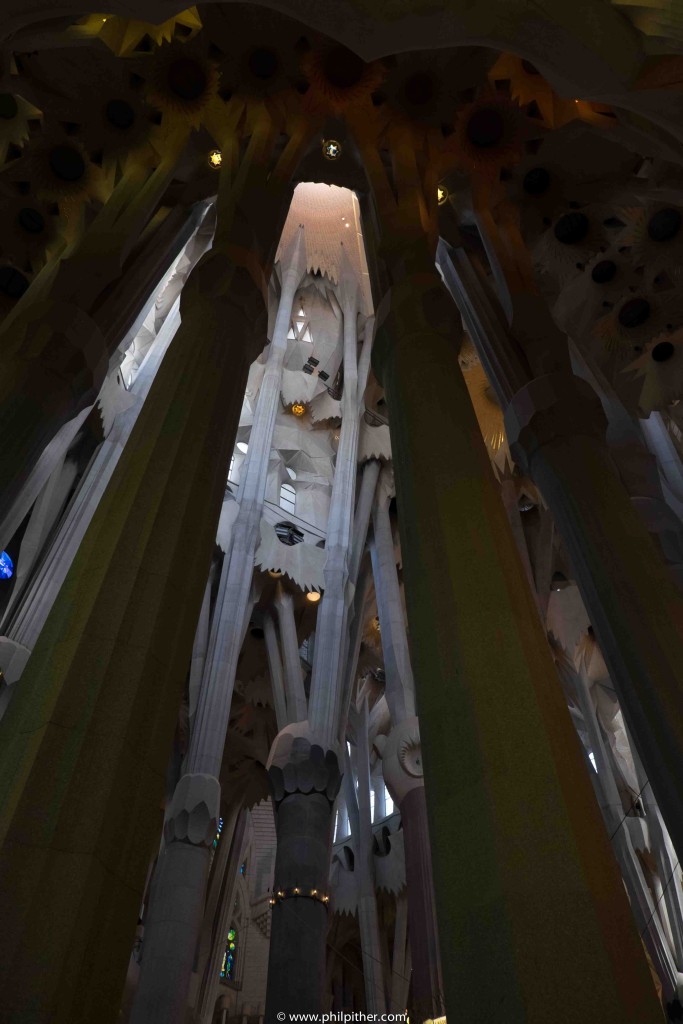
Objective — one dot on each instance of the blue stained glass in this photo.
(6, 566)
(218, 833)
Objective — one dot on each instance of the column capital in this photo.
(549, 409)
(309, 769)
(194, 812)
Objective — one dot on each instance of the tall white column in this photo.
(331, 640)
(213, 712)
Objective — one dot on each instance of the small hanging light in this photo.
(313, 596)
(331, 149)
(215, 159)
(298, 408)
(275, 573)
(441, 194)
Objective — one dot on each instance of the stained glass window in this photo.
(6, 566)
(218, 833)
(229, 956)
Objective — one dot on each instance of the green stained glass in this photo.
(228, 964)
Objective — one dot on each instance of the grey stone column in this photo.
(403, 774)
(367, 899)
(402, 767)
(304, 790)
(173, 926)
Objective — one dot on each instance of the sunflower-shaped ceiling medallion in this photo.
(590, 294)
(338, 79)
(571, 241)
(182, 82)
(660, 370)
(654, 237)
(489, 135)
(126, 36)
(541, 189)
(56, 169)
(635, 320)
(426, 88)
(258, 50)
(17, 116)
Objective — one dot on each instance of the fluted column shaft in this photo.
(512, 899)
(555, 428)
(179, 897)
(29, 618)
(331, 640)
(54, 354)
(365, 867)
(213, 711)
(85, 743)
(409, 795)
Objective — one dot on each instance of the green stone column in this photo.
(84, 746)
(534, 923)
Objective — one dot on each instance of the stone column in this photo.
(556, 427)
(403, 772)
(34, 608)
(85, 743)
(331, 639)
(304, 789)
(55, 354)
(367, 897)
(529, 893)
(659, 442)
(164, 980)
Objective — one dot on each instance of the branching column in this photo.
(175, 915)
(304, 819)
(529, 893)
